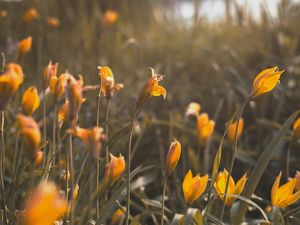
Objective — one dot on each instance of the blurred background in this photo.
(208, 50)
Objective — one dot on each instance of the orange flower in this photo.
(205, 128)
(265, 81)
(114, 169)
(283, 196)
(297, 177)
(232, 129)
(53, 22)
(32, 136)
(110, 17)
(151, 88)
(193, 109)
(39, 158)
(30, 100)
(92, 138)
(45, 206)
(117, 216)
(220, 186)
(193, 187)
(10, 81)
(296, 128)
(63, 114)
(173, 156)
(108, 85)
(49, 72)
(57, 86)
(30, 15)
(24, 46)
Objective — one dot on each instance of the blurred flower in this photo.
(232, 129)
(3, 13)
(63, 114)
(220, 186)
(114, 169)
(24, 46)
(30, 15)
(30, 100)
(44, 206)
(49, 72)
(205, 128)
(151, 88)
(110, 17)
(57, 86)
(265, 81)
(193, 187)
(283, 196)
(108, 85)
(193, 109)
(10, 81)
(296, 128)
(173, 156)
(31, 134)
(53, 22)
(117, 216)
(92, 138)
(297, 177)
(39, 158)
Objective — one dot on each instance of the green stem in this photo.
(163, 201)
(107, 128)
(2, 166)
(288, 156)
(45, 123)
(98, 163)
(129, 165)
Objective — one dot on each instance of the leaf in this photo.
(177, 218)
(238, 214)
(198, 218)
(155, 204)
(135, 220)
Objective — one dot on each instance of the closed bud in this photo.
(49, 72)
(232, 130)
(173, 156)
(114, 169)
(30, 101)
(24, 46)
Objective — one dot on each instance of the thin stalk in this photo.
(288, 156)
(45, 123)
(107, 128)
(233, 153)
(129, 165)
(31, 177)
(163, 201)
(2, 168)
(98, 163)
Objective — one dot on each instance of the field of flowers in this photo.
(120, 112)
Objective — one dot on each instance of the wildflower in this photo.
(57, 86)
(173, 156)
(24, 46)
(296, 128)
(205, 128)
(45, 206)
(92, 138)
(265, 81)
(297, 177)
(151, 88)
(63, 114)
(114, 169)
(117, 216)
(10, 81)
(30, 15)
(232, 129)
(220, 186)
(283, 196)
(32, 136)
(49, 72)
(193, 187)
(110, 17)
(193, 109)
(30, 100)
(39, 158)
(3, 13)
(108, 85)
(53, 22)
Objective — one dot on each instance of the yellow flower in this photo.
(92, 139)
(39, 158)
(30, 15)
(10, 81)
(173, 156)
(44, 206)
(296, 128)
(108, 85)
(114, 169)
(49, 72)
(62, 115)
(151, 88)
(30, 101)
(193, 109)
(57, 86)
(193, 187)
(53, 22)
(205, 128)
(232, 129)
(110, 17)
(265, 81)
(31, 134)
(297, 177)
(283, 196)
(220, 186)
(24, 46)
(117, 216)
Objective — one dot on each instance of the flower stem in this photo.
(129, 165)
(107, 128)
(288, 156)
(98, 163)
(163, 201)
(2, 167)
